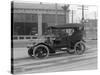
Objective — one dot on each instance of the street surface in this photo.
(61, 61)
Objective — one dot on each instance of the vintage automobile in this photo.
(68, 37)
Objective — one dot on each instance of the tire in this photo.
(30, 52)
(41, 51)
(79, 48)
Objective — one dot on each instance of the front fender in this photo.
(35, 42)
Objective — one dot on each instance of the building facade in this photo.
(33, 19)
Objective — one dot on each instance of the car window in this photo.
(58, 32)
(69, 31)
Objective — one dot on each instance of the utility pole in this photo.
(83, 20)
(95, 15)
(82, 8)
(83, 14)
(56, 16)
(66, 9)
(72, 16)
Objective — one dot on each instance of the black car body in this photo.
(68, 37)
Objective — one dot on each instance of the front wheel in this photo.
(79, 48)
(41, 51)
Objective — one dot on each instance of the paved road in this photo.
(58, 62)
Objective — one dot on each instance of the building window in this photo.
(25, 24)
(19, 17)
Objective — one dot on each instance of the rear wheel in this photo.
(79, 48)
(30, 52)
(41, 51)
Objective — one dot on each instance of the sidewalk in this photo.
(20, 53)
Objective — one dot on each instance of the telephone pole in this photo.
(95, 15)
(56, 16)
(82, 14)
(66, 9)
(83, 19)
(72, 16)
(82, 8)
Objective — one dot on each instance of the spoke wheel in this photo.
(41, 51)
(79, 48)
(30, 52)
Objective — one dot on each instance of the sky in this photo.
(90, 12)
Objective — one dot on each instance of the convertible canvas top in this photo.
(70, 25)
